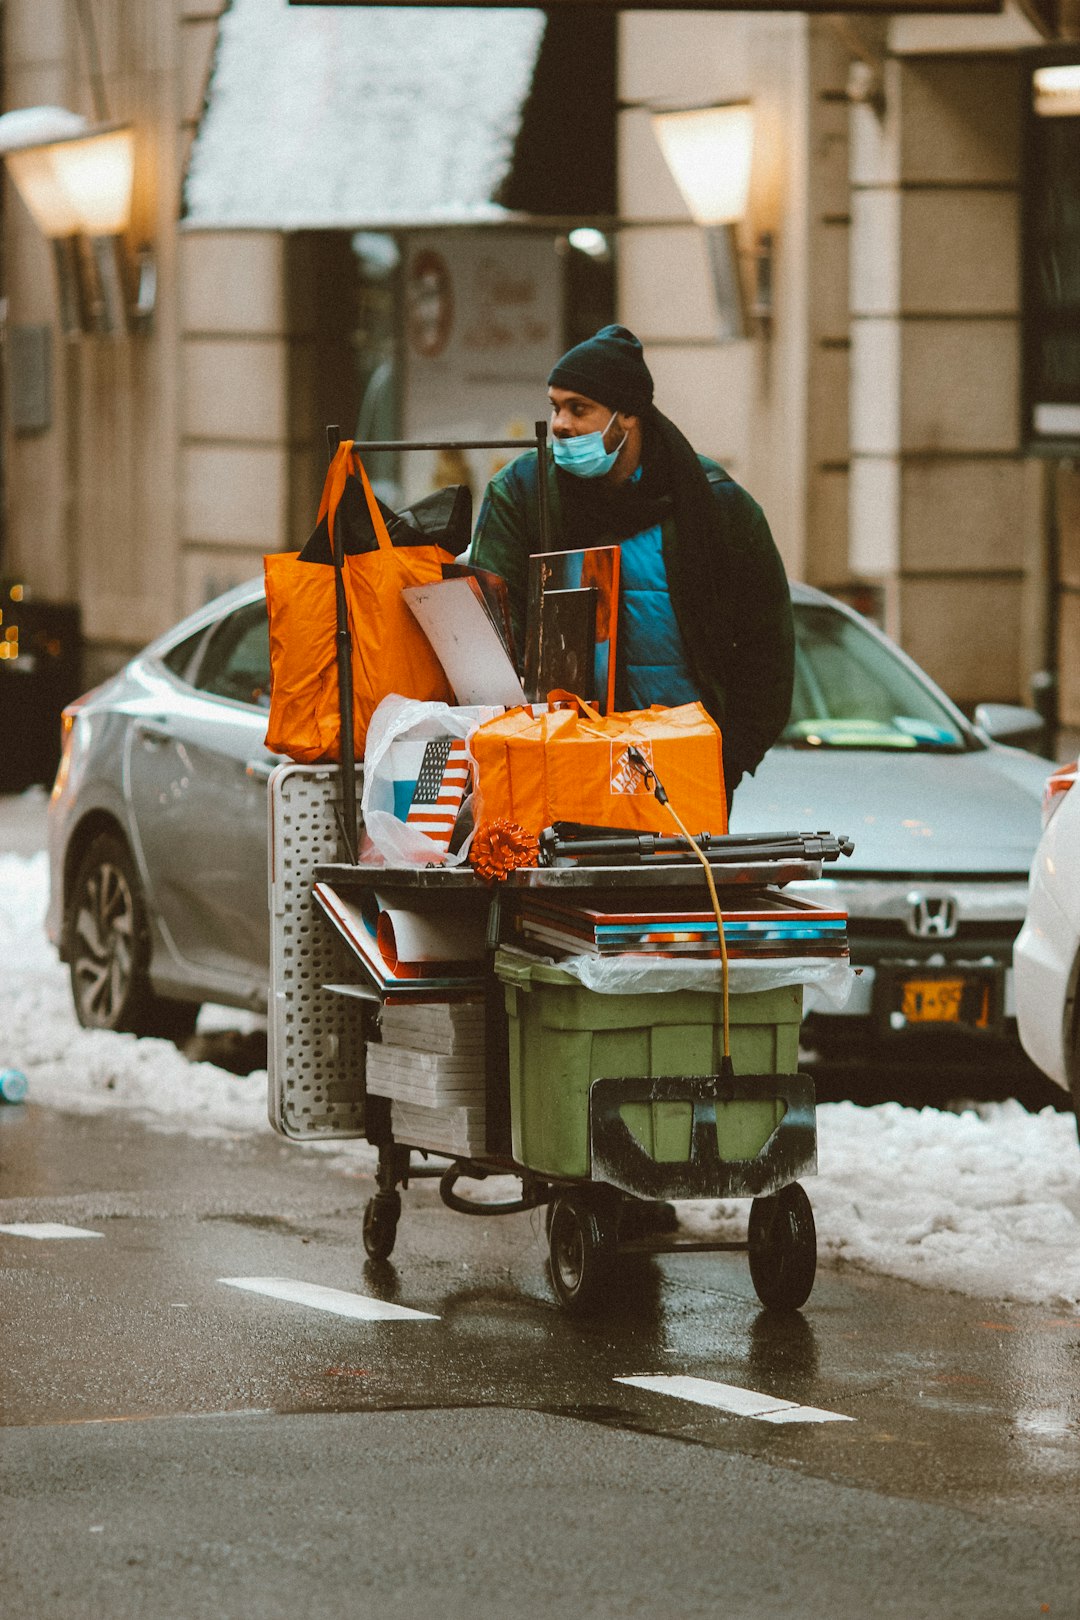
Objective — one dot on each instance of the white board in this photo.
(466, 642)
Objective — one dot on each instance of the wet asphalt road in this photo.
(172, 1446)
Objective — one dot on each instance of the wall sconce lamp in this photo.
(1057, 91)
(76, 181)
(709, 152)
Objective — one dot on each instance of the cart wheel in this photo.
(579, 1246)
(783, 1248)
(380, 1224)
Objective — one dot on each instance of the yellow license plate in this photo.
(932, 1001)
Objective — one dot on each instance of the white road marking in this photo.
(731, 1398)
(47, 1229)
(337, 1300)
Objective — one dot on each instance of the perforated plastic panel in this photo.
(316, 1045)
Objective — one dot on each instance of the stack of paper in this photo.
(430, 1062)
(455, 1028)
(453, 1131)
(428, 1078)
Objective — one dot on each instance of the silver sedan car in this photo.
(157, 827)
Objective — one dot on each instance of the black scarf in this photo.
(672, 485)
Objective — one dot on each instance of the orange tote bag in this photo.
(571, 764)
(390, 652)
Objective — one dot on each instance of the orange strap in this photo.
(560, 696)
(347, 460)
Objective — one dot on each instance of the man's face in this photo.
(573, 414)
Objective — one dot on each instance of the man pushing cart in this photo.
(605, 1003)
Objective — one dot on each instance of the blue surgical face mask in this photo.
(585, 455)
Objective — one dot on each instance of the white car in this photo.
(1047, 953)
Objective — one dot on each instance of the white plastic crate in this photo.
(316, 1039)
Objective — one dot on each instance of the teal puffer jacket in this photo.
(731, 598)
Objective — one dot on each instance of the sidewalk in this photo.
(22, 821)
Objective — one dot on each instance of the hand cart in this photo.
(602, 1105)
(595, 1101)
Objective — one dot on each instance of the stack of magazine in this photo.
(409, 955)
(430, 1063)
(761, 923)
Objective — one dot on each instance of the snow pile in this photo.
(89, 1071)
(985, 1202)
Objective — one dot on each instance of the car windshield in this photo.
(853, 692)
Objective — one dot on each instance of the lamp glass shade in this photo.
(96, 172)
(80, 183)
(1057, 91)
(51, 207)
(709, 151)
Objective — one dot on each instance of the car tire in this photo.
(108, 943)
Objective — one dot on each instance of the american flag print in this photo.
(440, 788)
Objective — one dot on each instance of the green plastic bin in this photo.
(562, 1037)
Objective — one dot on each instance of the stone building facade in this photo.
(877, 417)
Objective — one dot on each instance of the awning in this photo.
(376, 117)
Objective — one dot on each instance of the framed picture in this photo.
(572, 624)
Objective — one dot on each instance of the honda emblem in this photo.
(933, 916)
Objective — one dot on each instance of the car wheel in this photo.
(109, 949)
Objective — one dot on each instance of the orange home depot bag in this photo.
(390, 653)
(571, 764)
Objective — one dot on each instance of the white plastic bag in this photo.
(388, 841)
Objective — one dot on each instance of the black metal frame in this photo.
(348, 822)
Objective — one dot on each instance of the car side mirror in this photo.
(1013, 724)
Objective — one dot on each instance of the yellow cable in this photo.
(719, 923)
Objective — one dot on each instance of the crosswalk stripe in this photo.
(731, 1398)
(337, 1300)
(47, 1229)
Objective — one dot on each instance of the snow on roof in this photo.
(36, 126)
(359, 116)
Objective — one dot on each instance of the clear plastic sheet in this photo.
(831, 978)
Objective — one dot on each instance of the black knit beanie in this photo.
(609, 368)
